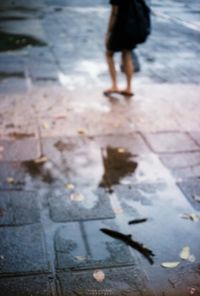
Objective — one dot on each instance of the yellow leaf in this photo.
(46, 125)
(121, 150)
(77, 197)
(99, 275)
(194, 217)
(185, 253)
(81, 131)
(41, 159)
(170, 264)
(191, 216)
(10, 180)
(69, 186)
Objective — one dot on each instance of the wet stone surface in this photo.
(26, 286)
(171, 142)
(125, 281)
(20, 150)
(19, 245)
(18, 208)
(12, 176)
(81, 245)
(81, 204)
(183, 165)
(191, 189)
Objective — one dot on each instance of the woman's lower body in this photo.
(118, 43)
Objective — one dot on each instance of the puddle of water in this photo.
(62, 146)
(10, 41)
(36, 170)
(4, 75)
(116, 166)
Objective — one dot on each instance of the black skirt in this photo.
(119, 41)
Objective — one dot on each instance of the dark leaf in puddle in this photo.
(147, 253)
(137, 221)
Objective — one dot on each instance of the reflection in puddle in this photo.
(37, 170)
(10, 41)
(5, 75)
(12, 18)
(63, 146)
(116, 166)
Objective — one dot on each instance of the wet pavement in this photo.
(73, 162)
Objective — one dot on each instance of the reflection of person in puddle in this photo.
(116, 42)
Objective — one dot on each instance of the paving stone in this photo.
(26, 286)
(183, 165)
(191, 188)
(126, 281)
(82, 204)
(196, 137)
(18, 208)
(170, 142)
(83, 245)
(20, 150)
(13, 86)
(22, 249)
(12, 176)
(134, 143)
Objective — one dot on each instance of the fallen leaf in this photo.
(46, 125)
(69, 186)
(170, 264)
(191, 216)
(185, 253)
(121, 150)
(41, 159)
(80, 258)
(81, 131)
(10, 180)
(197, 197)
(77, 197)
(99, 276)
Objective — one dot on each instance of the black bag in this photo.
(138, 24)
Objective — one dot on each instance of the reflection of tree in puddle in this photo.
(37, 170)
(116, 166)
(10, 41)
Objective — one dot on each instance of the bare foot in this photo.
(111, 90)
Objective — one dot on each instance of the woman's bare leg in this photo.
(112, 71)
(128, 70)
